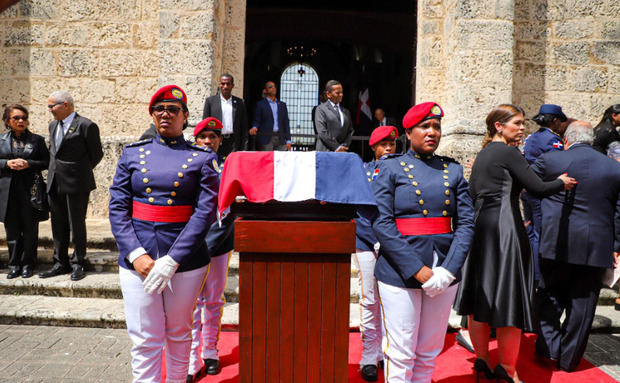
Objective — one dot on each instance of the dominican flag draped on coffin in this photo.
(294, 177)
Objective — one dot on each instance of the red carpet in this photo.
(454, 364)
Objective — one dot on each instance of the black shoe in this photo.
(369, 372)
(13, 273)
(57, 269)
(78, 273)
(481, 367)
(212, 366)
(463, 342)
(26, 272)
(381, 364)
(502, 375)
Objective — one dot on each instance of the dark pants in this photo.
(572, 289)
(533, 213)
(22, 228)
(274, 144)
(68, 213)
(227, 146)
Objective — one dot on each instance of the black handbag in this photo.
(38, 197)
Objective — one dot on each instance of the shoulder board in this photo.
(139, 143)
(195, 146)
(388, 156)
(449, 159)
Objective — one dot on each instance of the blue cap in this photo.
(553, 109)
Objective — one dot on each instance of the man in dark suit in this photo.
(233, 114)
(271, 124)
(75, 149)
(333, 122)
(580, 238)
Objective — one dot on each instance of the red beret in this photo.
(383, 133)
(422, 112)
(209, 123)
(169, 93)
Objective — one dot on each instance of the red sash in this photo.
(155, 213)
(424, 226)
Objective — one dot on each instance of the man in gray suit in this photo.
(333, 122)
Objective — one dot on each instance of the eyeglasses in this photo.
(17, 118)
(53, 105)
(160, 109)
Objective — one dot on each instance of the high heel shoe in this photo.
(481, 367)
(502, 375)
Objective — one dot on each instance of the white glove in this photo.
(439, 282)
(159, 277)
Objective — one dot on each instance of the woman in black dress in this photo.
(22, 153)
(498, 275)
(606, 131)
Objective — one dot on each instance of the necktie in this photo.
(339, 115)
(60, 132)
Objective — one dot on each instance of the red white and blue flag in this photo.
(293, 177)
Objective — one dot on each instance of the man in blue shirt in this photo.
(271, 122)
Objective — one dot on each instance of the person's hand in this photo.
(527, 224)
(616, 258)
(439, 282)
(288, 147)
(424, 274)
(143, 265)
(569, 182)
(342, 148)
(469, 163)
(12, 164)
(253, 131)
(160, 275)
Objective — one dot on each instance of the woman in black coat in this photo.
(606, 131)
(22, 154)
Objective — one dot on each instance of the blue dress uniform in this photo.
(209, 306)
(542, 141)
(163, 200)
(426, 219)
(365, 256)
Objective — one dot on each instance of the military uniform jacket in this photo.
(542, 141)
(164, 172)
(415, 186)
(365, 238)
(220, 238)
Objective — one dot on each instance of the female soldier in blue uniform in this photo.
(425, 229)
(162, 201)
(220, 239)
(382, 142)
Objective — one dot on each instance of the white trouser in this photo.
(370, 310)
(208, 312)
(415, 328)
(160, 320)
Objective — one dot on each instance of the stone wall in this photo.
(112, 56)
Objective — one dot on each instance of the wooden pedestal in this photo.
(294, 292)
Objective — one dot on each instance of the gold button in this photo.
(173, 194)
(148, 152)
(173, 142)
(369, 180)
(141, 149)
(169, 202)
(445, 165)
(180, 175)
(149, 190)
(406, 169)
(410, 175)
(195, 154)
(445, 177)
(447, 202)
(447, 192)
(411, 166)
(402, 164)
(184, 166)
(189, 160)
(418, 192)
(446, 171)
(425, 212)
(416, 156)
(445, 213)
(143, 170)
(415, 183)
(162, 140)
(142, 156)
(176, 184)
(142, 162)
(145, 180)
(151, 199)
(421, 202)
(446, 184)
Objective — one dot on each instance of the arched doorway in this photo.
(299, 89)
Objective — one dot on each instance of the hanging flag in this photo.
(363, 107)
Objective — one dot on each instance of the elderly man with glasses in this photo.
(75, 149)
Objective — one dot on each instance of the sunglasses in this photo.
(17, 118)
(160, 109)
(53, 105)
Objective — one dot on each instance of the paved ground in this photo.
(45, 354)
